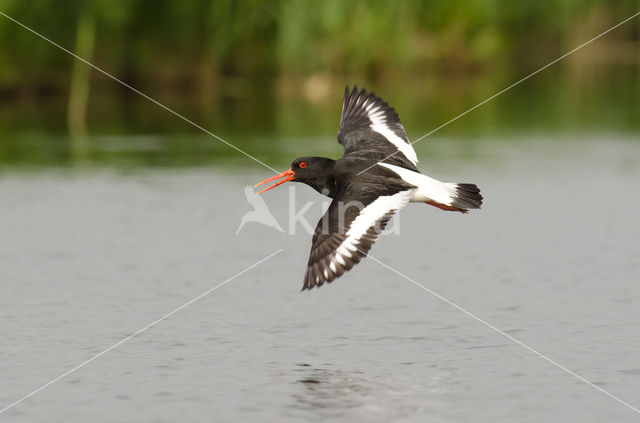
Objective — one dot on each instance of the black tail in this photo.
(467, 197)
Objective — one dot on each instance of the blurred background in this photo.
(269, 76)
(115, 211)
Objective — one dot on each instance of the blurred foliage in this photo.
(162, 39)
(250, 68)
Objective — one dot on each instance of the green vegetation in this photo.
(197, 42)
(245, 68)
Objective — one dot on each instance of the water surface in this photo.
(87, 257)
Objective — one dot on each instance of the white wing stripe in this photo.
(401, 144)
(366, 219)
(379, 124)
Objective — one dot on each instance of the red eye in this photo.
(302, 165)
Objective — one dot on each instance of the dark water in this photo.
(126, 131)
(89, 256)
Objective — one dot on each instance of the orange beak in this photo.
(287, 174)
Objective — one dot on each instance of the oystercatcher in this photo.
(376, 177)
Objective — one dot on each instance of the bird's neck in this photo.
(325, 183)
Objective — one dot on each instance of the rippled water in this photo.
(89, 257)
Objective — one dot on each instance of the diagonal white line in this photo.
(138, 92)
(84, 363)
(508, 88)
(522, 344)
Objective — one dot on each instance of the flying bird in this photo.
(376, 177)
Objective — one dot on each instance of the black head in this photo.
(312, 171)
(309, 169)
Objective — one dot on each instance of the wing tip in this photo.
(355, 98)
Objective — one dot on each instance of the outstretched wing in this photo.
(370, 128)
(335, 250)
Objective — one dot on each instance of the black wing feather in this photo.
(332, 229)
(324, 245)
(357, 137)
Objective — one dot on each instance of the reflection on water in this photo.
(331, 390)
(130, 132)
(327, 392)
